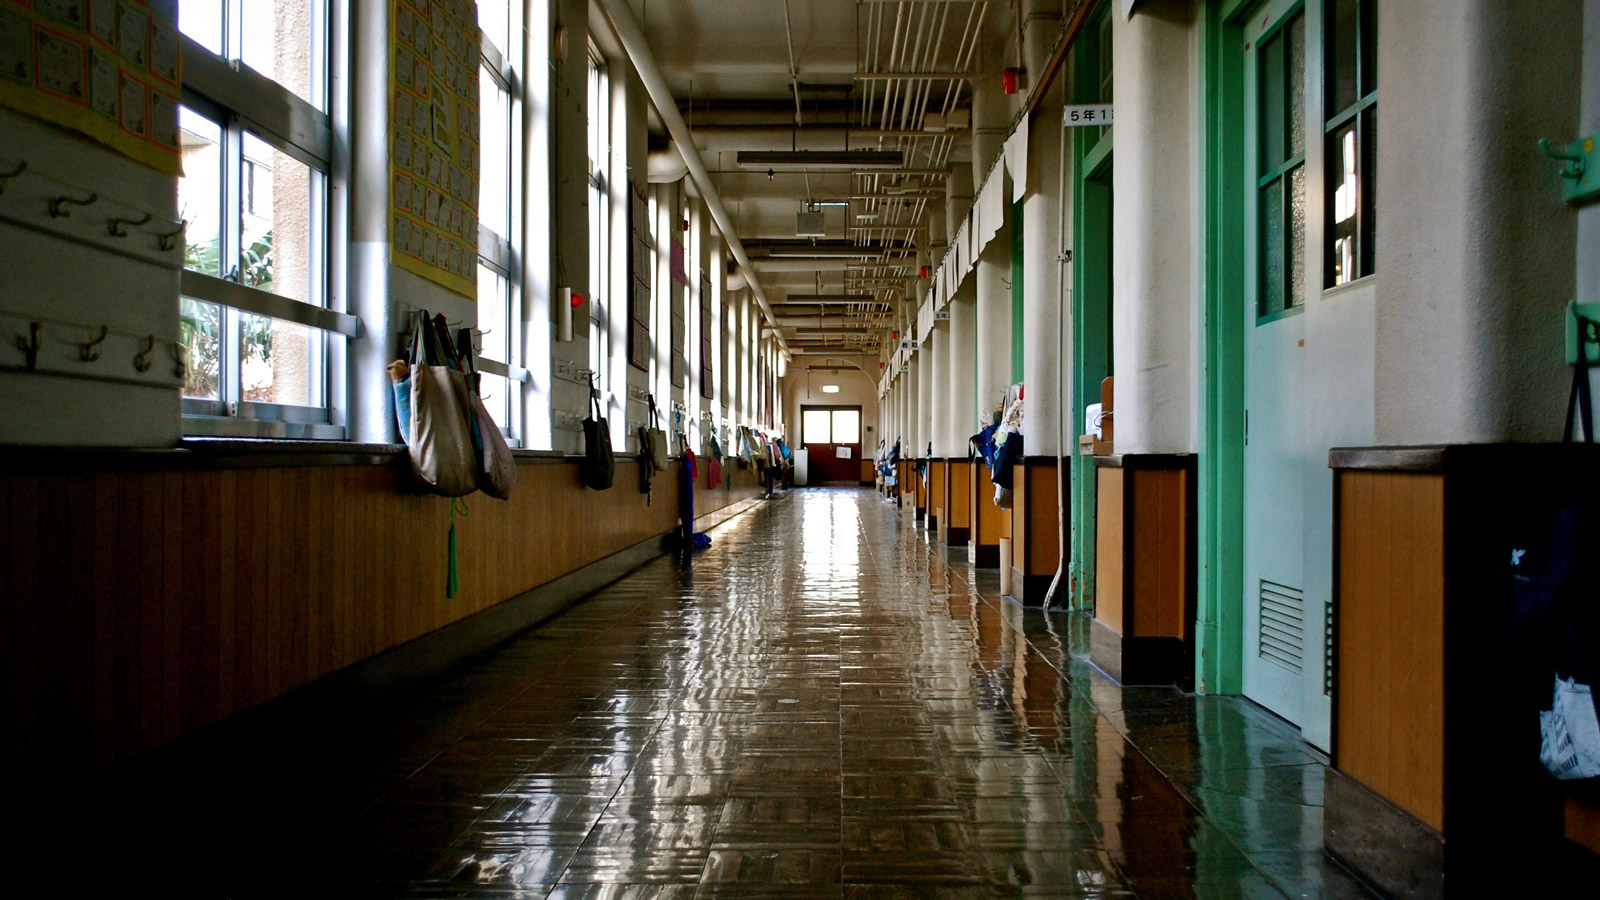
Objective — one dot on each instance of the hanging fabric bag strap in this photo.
(1579, 399)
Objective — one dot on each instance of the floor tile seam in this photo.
(1006, 623)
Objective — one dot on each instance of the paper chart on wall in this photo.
(435, 163)
(111, 71)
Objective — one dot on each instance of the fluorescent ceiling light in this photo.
(830, 389)
(853, 298)
(814, 160)
(824, 252)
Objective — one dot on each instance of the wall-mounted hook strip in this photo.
(59, 205)
(141, 361)
(22, 166)
(89, 351)
(116, 226)
(30, 345)
(169, 241)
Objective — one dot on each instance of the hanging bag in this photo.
(652, 440)
(440, 433)
(599, 467)
(497, 469)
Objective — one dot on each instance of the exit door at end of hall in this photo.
(832, 438)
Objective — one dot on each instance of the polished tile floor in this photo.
(822, 705)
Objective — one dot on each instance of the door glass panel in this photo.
(816, 427)
(1294, 84)
(1270, 62)
(1272, 256)
(1342, 29)
(847, 426)
(1295, 241)
(1346, 190)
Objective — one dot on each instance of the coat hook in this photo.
(58, 206)
(141, 361)
(1576, 167)
(181, 363)
(90, 351)
(7, 176)
(30, 345)
(169, 241)
(116, 223)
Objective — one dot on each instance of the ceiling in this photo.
(740, 88)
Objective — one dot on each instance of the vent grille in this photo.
(1283, 625)
(1327, 649)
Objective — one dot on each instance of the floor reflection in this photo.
(825, 704)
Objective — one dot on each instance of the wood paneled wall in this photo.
(139, 606)
(1035, 530)
(958, 509)
(936, 487)
(869, 473)
(1108, 544)
(988, 523)
(1390, 689)
(1144, 548)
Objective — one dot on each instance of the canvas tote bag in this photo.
(652, 440)
(497, 469)
(440, 438)
(599, 467)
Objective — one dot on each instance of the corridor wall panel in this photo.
(142, 603)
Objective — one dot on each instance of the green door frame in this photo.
(1219, 657)
(1091, 307)
(1018, 322)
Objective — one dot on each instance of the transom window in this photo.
(1351, 126)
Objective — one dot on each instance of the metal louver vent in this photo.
(1282, 625)
(1327, 649)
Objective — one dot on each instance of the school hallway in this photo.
(823, 704)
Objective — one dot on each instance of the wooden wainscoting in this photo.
(958, 524)
(1145, 576)
(936, 493)
(988, 522)
(1035, 531)
(144, 602)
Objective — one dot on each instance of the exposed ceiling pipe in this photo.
(644, 62)
(666, 166)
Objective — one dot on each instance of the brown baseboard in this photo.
(1140, 660)
(1394, 851)
(956, 536)
(933, 522)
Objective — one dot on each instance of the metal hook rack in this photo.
(61, 207)
(117, 227)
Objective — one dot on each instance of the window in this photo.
(1280, 168)
(499, 279)
(828, 425)
(599, 222)
(257, 150)
(1350, 107)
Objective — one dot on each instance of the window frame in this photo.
(1277, 18)
(600, 147)
(499, 255)
(239, 101)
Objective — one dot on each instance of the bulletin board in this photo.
(707, 386)
(642, 248)
(111, 71)
(434, 160)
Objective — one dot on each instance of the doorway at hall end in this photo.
(831, 436)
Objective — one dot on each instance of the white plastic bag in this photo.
(1569, 743)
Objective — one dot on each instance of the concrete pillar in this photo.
(991, 115)
(913, 448)
(992, 277)
(961, 372)
(1476, 255)
(1152, 268)
(958, 197)
(926, 392)
(1044, 352)
(937, 379)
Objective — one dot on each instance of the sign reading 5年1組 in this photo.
(1088, 114)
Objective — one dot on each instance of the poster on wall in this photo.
(639, 266)
(435, 162)
(111, 71)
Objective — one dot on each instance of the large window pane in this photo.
(200, 192)
(279, 39)
(493, 312)
(278, 361)
(201, 21)
(816, 426)
(496, 393)
(494, 189)
(847, 426)
(494, 18)
(279, 228)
